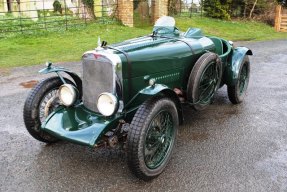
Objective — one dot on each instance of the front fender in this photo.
(153, 90)
(74, 76)
(51, 69)
(160, 89)
(143, 95)
(232, 72)
(79, 125)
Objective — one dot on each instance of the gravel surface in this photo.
(223, 148)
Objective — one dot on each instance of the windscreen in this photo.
(165, 21)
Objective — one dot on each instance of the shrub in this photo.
(90, 7)
(57, 6)
(217, 9)
(282, 2)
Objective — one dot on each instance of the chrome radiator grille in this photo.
(98, 77)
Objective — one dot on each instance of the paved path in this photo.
(224, 148)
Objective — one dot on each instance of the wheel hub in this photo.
(162, 139)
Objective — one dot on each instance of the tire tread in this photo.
(232, 90)
(135, 135)
(30, 111)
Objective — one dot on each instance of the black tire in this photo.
(237, 92)
(208, 62)
(31, 112)
(145, 133)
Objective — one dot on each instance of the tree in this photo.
(174, 6)
(90, 7)
(282, 2)
(252, 10)
(57, 7)
(217, 8)
(262, 10)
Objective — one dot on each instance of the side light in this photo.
(152, 82)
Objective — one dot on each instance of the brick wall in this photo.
(126, 10)
(160, 8)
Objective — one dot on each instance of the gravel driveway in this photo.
(223, 148)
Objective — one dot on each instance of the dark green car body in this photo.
(132, 94)
(166, 59)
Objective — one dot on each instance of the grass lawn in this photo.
(233, 30)
(24, 50)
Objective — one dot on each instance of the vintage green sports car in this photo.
(132, 94)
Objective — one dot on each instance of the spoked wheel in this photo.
(159, 138)
(41, 101)
(151, 138)
(48, 104)
(204, 80)
(237, 92)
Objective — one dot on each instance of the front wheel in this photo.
(237, 92)
(41, 101)
(151, 137)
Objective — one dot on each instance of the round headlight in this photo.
(67, 94)
(107, 104)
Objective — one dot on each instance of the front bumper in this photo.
(79, 125)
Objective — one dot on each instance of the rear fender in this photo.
(57, 70)
(232, 72)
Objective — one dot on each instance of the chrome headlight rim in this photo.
(115, 104)
(73, 97)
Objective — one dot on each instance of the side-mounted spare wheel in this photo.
(204, 80)
(237, 92)
(41, 101)
(152, 137)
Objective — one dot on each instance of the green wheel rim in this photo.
(208, 83)
(159, 140)
(243, 79)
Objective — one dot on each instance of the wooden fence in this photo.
(281, 19)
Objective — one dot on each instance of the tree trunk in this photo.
(251, 12)
(245, 7)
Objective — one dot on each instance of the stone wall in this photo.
(29, 8)
(15, 7)
(126, 10)
(3, 7)
(160, 8)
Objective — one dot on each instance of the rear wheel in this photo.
(204, 80)
(41, 101)
(237, 92)
(151, 137)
